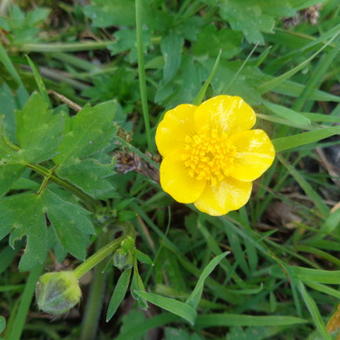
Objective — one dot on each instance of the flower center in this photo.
(208, 156)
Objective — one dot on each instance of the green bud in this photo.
(57, 292)
(128, 244)
(122, 259)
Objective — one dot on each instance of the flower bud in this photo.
(128, 244)
(122, 259)
(57, 292)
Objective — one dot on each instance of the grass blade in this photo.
(291, 142)
(226, 319)
(195, 297)
(314, 312)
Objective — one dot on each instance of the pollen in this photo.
(208, 156)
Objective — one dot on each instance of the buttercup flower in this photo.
(210, 155)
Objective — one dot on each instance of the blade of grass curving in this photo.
(291, 142)
(271, 84)
(141, 73)
(195, 297)
(306, 187)
(201, 94)
(314, 312)
(18, 321)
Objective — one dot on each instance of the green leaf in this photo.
(226, 319)
(118, 294)
(89, 175)
(290, 142)
(8, 175)
(237, 13)
(195, 297)
(7, 108)
(23, 215)
(111, 13)
(38, 131)
(181, 309)
(71, 223)
(142, 257)
(171, 47)
(314, 312)
(210, 41)
(89, 132)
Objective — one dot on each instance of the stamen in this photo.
(208, 156)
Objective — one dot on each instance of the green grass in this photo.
(79, 166)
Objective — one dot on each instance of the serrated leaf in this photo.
(118, 293)
(211, 40)
(238, 13)
(89, 175)
(23, 215)
(71, 223)
(38, 131)
(111, 13)
(89, 132)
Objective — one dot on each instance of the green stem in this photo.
(17, 323)
(141, 73)
(95, 300)
(64, 47)
(88, 200)
(97, 257)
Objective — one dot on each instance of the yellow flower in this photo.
(210, 155)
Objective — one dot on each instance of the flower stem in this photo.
(97, 257)
(141, 73)
(95, 300)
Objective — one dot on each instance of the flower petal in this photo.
(176, 181)
(229, 113)
(171, 131)
(227, 195)
(254, 154)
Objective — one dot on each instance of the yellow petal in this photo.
(171, 131)
(226, 196)
(255, 153)
(226, 113)
(176, 181)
